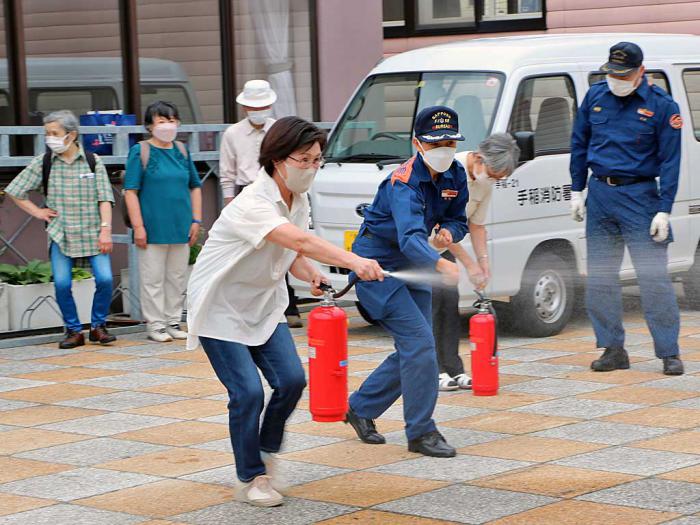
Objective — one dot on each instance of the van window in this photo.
(691, 79)
(174, 94)
(545, 105)
(378, 122)
(658, 78)
(81, 100)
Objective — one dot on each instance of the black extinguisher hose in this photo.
(337, 295)
(485, 302)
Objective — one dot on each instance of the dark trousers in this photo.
(446, 326)
(292, 308)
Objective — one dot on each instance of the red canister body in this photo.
(482, 333)
(328, 363)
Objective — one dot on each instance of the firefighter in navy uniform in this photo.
(429, 191)
(628, 133)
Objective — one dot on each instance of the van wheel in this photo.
(546, 298)
(691, 283)
(364, 313)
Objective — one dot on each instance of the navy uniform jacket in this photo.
(407, 206)
(635, 136)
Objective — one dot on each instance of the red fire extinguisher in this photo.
(482, 333)
(328, 359)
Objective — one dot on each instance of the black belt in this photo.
(371, 236)
(622, 181)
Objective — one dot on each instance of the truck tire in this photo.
(364, 314)
(546, 298)
(691, 283)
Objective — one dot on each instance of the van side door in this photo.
(690, 110)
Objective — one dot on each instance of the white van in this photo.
(530, 86)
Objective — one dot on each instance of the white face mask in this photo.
(165, 132)
(621, 88)
(440, 159)
(58, 144)
(258, 118)
(299, 180)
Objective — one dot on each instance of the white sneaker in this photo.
(446, 383)
(463, 381)
(174, 331)
(259, 492)
(279, 483)
(159, 335)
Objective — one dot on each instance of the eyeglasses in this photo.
(305, 163)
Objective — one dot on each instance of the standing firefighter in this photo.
(429, 189)
(628, 132)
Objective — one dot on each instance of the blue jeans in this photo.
(62, 268)
(619, 216)
(236, 365)
(412, 371)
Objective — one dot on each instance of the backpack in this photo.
(145, 156)
(46, 168)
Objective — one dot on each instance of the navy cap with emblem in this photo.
(624, 58)
(436, 123)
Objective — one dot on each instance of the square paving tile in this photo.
(162, 498)
(555, 481)
(12, 468)
(578, 408)
(32, 352)
(539, 369)
(12, 383)
(690, 474)
(340, 429)
(82, 359)
(638, 394)
(22, 439)
(117, 401)
(351, 454)
(131, 381)
(54, 393)
(185, 409)
(460, 468)
(143, 350)
(363, 489)
(654, 494)
(632, 461)
(503, 401)
(377, 517)
(527, 448)
(91, 452)
(178, 434)
(108, 424)
(9, 404)
(509, 422)
(693, 403)
(456, 437)
(440, 414)
(11, 503)
(584, 512)
(466, 504)
(686, 382)
(660, 417)
(529, 354)
(603, 432)
(138, 365)
(688, 442)
(172, 462)
(73, 484)
(294, 512)
(557, 387)
(196, 370)
(40, 415)
(64, 375)
(621, 377)
(12, 368)
(188, 388)
(69, 514)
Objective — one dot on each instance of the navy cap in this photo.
(436, 123)
(624, 57)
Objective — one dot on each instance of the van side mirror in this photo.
(526, 143)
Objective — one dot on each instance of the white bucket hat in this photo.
(256, 94)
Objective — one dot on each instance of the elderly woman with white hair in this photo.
(495, 158)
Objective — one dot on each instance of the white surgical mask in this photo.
(440, 159)
(165, 132)
(258, 118)
(299, 180)
(621, 88)
(58, 144)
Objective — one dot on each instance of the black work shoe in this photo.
(612, 359)
(673, 366)
(432, 444)
(365, 429)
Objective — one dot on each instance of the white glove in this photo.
(659, 227)
(578, 206)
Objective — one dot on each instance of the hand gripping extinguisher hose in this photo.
(484, 303)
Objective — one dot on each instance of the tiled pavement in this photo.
(136, 433)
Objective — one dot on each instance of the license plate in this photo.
(348, 238)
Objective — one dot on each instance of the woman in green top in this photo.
(164, 200)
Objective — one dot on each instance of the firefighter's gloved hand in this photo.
(578, 206)
(659, 227)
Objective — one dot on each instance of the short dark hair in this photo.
(284, 137)
(160, 108)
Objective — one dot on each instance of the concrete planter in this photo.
(33, 306)
(4, 308)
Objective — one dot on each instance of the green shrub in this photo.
(35, 272)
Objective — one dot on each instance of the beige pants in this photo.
(163, 273)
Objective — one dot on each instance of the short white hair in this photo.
(500, 152)
(65, 118)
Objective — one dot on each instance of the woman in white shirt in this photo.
(237, 297)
